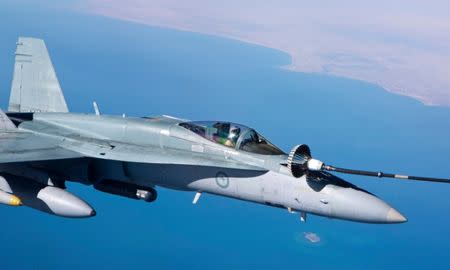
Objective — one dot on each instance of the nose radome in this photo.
(393, 216)
(359, 205)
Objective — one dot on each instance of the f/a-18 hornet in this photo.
(43, 145)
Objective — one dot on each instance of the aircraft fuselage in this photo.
(173, 157)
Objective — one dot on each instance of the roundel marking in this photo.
(222, 180)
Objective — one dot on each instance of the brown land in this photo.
(403, 46)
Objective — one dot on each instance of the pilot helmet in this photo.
(234, 132)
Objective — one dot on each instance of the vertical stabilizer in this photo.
(35, 87)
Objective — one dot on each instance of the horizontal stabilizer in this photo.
(6, 125)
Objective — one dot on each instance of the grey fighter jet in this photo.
(43, 145)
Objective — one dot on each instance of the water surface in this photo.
(133, 69)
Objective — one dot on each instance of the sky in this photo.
(399, 45)
(140, 70)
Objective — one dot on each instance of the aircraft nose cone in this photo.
(359, 205)
(393, 216)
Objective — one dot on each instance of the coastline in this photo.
(294, 66)
(393, 75)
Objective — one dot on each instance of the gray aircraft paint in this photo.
(35, 86)
(149, 156)
(146, 153)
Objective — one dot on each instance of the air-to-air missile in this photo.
(9, 199)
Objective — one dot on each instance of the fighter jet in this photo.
(43, 145)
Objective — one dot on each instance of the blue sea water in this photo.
(139, 70)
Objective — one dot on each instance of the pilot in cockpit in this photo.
(233, 136)
(226, 134)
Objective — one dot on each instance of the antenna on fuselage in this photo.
(97, 111)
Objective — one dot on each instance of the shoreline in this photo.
(293, 67)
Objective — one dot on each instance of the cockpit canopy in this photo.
(234, 136)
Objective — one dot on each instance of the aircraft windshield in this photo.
(234, 136)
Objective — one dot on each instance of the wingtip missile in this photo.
(9, 199)
(15, 201)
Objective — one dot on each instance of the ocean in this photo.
(141, 71)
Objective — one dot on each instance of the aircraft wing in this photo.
(19, 146)
(102, 149)
(24, 147)
(29, 144)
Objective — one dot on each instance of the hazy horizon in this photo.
(401, 46)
